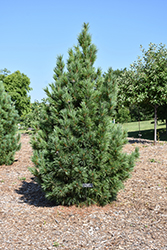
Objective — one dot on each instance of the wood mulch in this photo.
(136, 220)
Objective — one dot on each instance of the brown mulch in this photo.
(137, 220)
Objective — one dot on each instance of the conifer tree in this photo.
(9, 139)
(76, 142)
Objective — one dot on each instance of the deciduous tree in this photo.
(146, 81)
(18, 86)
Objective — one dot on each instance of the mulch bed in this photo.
(136, 220)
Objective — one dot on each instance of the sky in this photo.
(35, 32)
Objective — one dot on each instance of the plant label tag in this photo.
(87, 185)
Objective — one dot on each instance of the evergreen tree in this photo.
(9, 139)
(76, 142)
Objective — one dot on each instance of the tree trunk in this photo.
(166, 125)
(155, 124)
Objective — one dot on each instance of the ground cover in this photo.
(136, 220)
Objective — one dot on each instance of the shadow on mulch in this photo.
(33, 195)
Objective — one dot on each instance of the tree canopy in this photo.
(18, 86)
(146, 80)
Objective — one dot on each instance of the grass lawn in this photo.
(146, 130)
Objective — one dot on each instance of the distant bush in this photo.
(31, 120)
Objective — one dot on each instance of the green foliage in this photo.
(162, 114)
(17, 85)
(126, 109)
(3, 74)
(123, 115)
(9, 140)
(151, 78)
(32, 119)
(140, 112)
(76, 142)
(146, 81)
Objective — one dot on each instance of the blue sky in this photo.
(34, 32)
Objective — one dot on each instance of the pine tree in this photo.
(9, 139)
(76, 142)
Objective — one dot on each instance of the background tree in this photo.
(17, 85)
(9, 139)
(76, 142)
(146, 81)
(31, 119)
(128, 109)
(3, 73)
(122, 109)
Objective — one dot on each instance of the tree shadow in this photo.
(32, 194)
(149, 134)
(137, 140)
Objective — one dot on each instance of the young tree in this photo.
(146, 81)
(9, 139)
(76, 143)
(17, 85)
